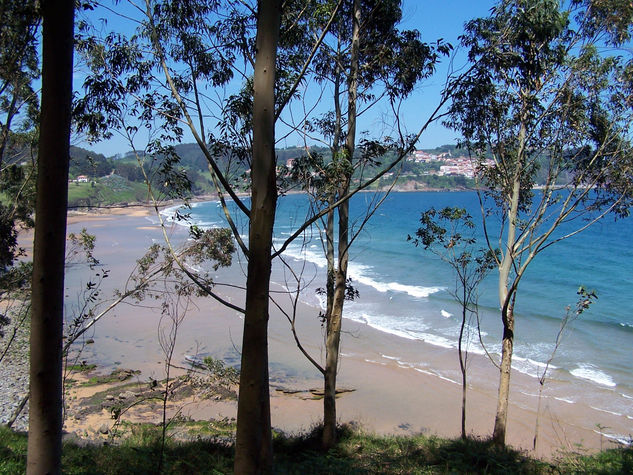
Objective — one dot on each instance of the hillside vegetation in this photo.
(120, 179)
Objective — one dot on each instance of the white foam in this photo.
(196, 268)
(381, 363)
(392, 331)
(530, 367)
(170, 213)
(301, 253)
(446, 314)
(606, 411)
(622, 439)
(472, 329)
(384, 287)
(357, 271)
(425, 371)
(591, 373)
(409, 334)
(443, 378)
(562, 399)
(437, 340)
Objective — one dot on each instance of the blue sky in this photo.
(438, 19)
(434, 19)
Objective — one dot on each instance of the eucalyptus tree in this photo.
(544, 99)
(178, 72)
(19, 68)
(366, 61)
(19, 107)
(450, 234)
(45, 417)
(171, 76)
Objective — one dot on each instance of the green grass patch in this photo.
(117, 375)
(139, 452)
(81, 368)
(605, 462)
(204, 429)
(106, 191)
(12, 451)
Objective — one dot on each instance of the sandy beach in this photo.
(387, 398)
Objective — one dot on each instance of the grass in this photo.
(356, 453)
(114, 376)
(105, 192)
(81, 368)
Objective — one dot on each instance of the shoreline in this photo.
(389, 398)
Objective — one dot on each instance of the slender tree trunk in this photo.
(331, 358)
(462, 356)
(537, 423)
(329, 229)
(45, 418)
(336, 318)
(329, 255)
(333, 338)
(253, 447)
(6, 129)
(506, 300)
(501, 418)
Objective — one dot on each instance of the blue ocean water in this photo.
(406, 291)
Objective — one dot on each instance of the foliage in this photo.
(388, 56)
(15, 278)
(19, 108)
(19, 68)
(91, 164)
(452, 230)
(15, 285)
(18, 190)
(81, 245)
(213, 247)
(8, 239)
(226, 375)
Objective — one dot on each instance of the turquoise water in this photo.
(407, 292)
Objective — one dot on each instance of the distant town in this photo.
(448, 165)
(429, 163)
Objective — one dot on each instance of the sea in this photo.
(408, 292)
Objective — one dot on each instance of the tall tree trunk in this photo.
(507, 345)
(335, 322)
(329, 226)
(45, 418)
(331, 268)
(506, 301)
(463, 355)
(253, 447)
(6, 129)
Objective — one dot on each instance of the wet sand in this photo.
(388, 398)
